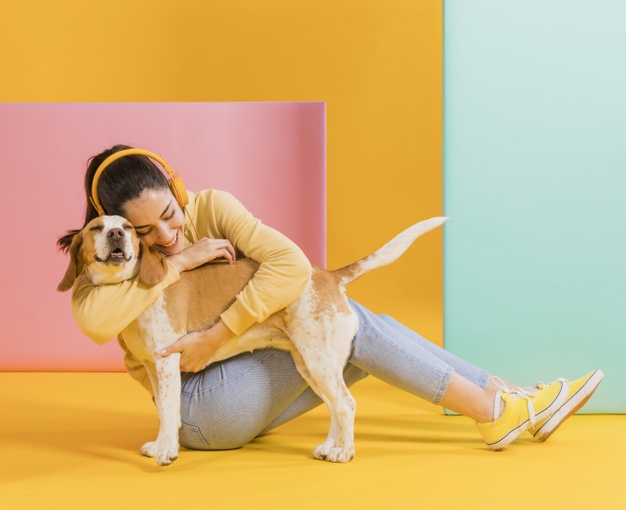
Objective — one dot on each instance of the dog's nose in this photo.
(116, 234)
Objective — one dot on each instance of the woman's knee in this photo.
(195, 438)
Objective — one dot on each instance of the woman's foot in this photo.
(580, 391)
(523, 409)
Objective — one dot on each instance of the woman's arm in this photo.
(283, 273)
(134, 367)
(103, 312)
(197, 348)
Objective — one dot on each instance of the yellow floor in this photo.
(70, 441)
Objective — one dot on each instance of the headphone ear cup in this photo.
(179, 191)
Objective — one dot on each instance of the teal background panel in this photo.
(535, 185)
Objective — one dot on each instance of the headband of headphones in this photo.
(176, 183)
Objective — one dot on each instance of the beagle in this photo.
(317, 329)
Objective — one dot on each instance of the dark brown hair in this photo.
(122, 181)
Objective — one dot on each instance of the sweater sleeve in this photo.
(135, 368)
(102, 312)
(283, 273)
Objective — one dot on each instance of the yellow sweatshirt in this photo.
(103, 312)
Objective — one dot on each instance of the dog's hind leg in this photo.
(166, 386)
(327, 381)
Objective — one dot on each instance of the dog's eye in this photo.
(99, 228)
(129, 227)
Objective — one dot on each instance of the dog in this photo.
(317, 329)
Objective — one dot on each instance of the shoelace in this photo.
(540, 384)
(525, 393)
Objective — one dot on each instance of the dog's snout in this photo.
(116, 234)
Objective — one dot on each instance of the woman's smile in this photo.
(171, 246)
(158, 220)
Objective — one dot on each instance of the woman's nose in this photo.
(162, 236)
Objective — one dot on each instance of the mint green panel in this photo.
(535, 186)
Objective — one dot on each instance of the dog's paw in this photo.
(149, 449)
(167, 456)
(163, 453)
(322, 450)
(331, 453)
(340, 454)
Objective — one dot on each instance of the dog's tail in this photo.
(388, 253)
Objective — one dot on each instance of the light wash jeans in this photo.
(231, 402)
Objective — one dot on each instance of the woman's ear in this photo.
(76, 264)
(153, 266)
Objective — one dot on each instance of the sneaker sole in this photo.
(572, 405)
(524, 426)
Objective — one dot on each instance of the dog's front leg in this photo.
(167, 386)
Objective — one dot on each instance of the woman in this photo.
(227, 404)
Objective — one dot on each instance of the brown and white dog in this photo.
(317, 329)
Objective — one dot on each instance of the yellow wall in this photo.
(376, 63)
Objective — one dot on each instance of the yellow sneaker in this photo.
(523, 407)
(580, 391)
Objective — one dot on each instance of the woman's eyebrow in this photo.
(137, 227)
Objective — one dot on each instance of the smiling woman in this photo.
(158, 219)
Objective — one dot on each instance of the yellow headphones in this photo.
(176, 183)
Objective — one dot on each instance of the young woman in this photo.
(227, 404)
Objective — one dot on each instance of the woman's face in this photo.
(158, 220)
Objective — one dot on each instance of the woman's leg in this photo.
(229, 403)
(308, 399)
(390, 351)
(396, 354)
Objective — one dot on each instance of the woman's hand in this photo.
(196, 349)
(203, 251)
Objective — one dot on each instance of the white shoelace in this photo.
(525, 393)
(541, 384)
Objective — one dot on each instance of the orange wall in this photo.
(377, 64)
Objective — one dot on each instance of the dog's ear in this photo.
(76, 264)
(153, 266)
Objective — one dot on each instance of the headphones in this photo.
(176, 183)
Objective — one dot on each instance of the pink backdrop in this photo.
(270, 155)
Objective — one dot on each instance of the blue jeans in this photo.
(231, 402)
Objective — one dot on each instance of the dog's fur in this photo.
(317, 329)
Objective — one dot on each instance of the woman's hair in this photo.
(122, 181)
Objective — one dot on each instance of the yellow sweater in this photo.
(103, 312)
